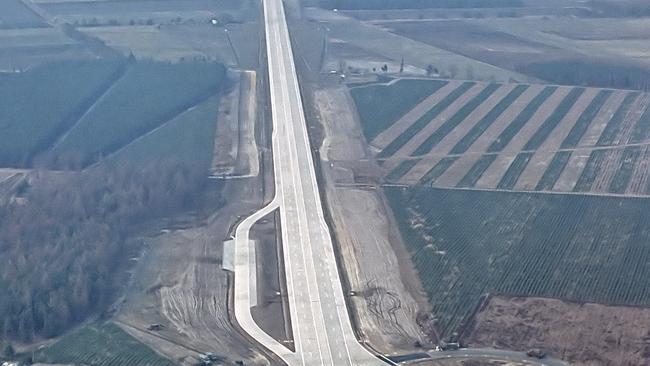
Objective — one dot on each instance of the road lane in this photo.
(322, 330)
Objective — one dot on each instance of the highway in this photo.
(322, 330)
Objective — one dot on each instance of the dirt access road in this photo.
(388, 297)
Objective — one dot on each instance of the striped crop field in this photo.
(552, 138)
(465, 244)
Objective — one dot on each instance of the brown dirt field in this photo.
(457, 171)
(492, 176)
(599, 123)
(631, 119)
(582, 334)
(482, 143)
(396, 129)
(434, 124)
(608, 169)
(639, 179)
(529, 129)
(472, 119)
(534, 170)
(572, 171)
(420, 170)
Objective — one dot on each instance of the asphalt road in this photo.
(322, 330)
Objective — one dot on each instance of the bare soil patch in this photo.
(582, 334)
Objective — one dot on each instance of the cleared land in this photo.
(467, 243)
(509, 136)
(584, 334)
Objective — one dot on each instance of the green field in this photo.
(188, 138)
(468, 243)
(148, 95)
(39, 105)
(100, 345)
(377, 107)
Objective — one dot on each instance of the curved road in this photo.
(321, 326)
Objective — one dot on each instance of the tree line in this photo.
(66, 243)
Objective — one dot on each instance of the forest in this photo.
(67, 241)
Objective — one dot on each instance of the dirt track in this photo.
(388, 297)
(180, 284)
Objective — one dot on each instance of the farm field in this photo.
(92, 108)
(189, 138)
(148, 95)
(59, 94)
(504, 136)
(465, 244)
(101, 345)
(583, 334)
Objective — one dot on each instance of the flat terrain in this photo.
(519, 137)
(100, 344)
(375, 262)
(583, 334)
(92, 108)
(572, 247)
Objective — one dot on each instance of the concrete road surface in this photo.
(320, 321)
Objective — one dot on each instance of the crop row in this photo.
(515, 169)
(488, 120)
(522, 118)
(455, 120)
(476, 171)
(554, 119)
(423, 121)
(553, 172)
(585, 119)
(376, 103)
(437, 170)
(398, 172)
(615, 124)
